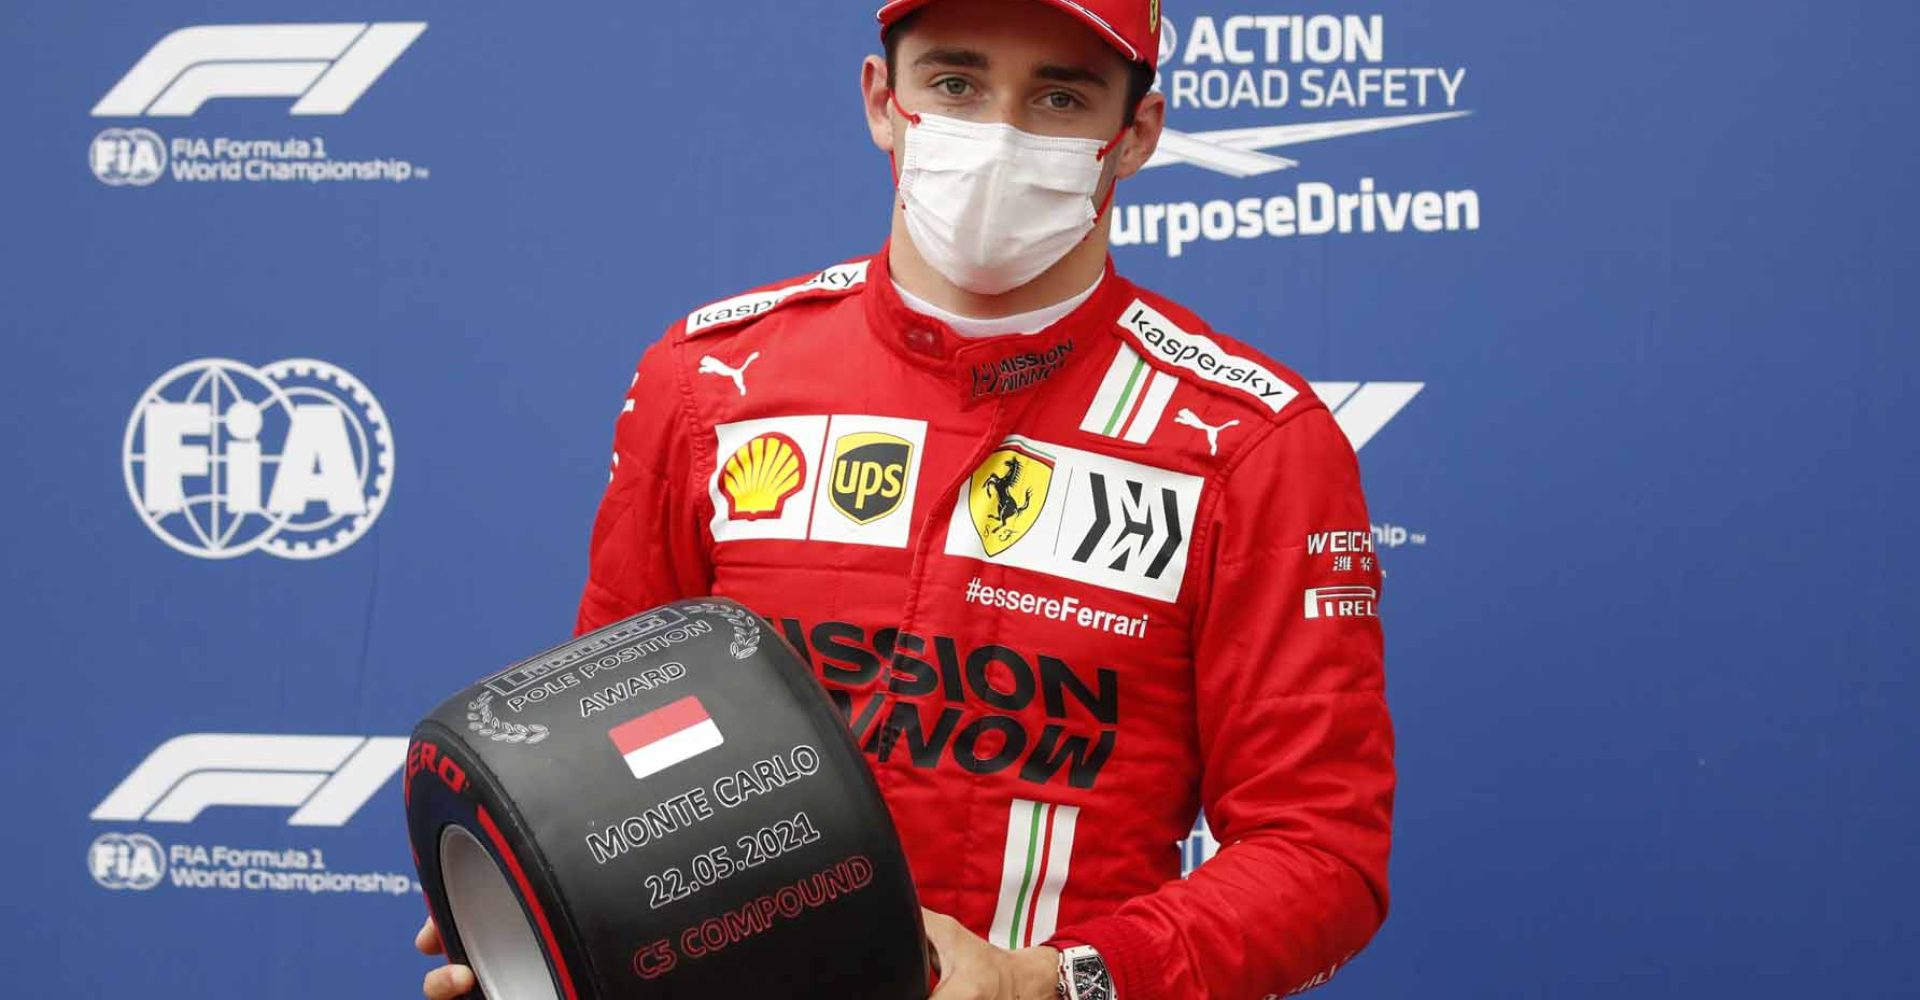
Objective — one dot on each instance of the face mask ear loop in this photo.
(894, 96)
(912, 119)
(1107, 202)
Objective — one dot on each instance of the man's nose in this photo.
(1008, 109)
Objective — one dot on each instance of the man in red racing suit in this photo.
(1109, 572)
(1068, 584)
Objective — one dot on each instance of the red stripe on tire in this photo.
(533, 902)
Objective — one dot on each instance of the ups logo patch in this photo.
(870, 471)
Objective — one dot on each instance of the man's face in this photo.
(1019, 62)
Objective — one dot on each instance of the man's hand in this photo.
(972, 969)
(448, 982)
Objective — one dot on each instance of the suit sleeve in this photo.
(650, 537)
(1295, 739)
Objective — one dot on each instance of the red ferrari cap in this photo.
(1132, 26)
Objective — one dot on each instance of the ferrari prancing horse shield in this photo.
(1006, 495)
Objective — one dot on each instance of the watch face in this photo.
(1090, 980)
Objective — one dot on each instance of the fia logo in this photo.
(294, 458)
(127, 156)
(126, 861)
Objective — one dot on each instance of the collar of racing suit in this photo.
(986, 368)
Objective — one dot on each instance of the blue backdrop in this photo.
(1626, 349)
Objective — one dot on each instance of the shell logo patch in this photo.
(761, 475)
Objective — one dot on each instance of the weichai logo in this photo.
(1046, 721)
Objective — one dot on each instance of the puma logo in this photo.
(1187, 418)
(710, 365)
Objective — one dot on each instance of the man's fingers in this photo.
(448, 982)
(940, 927)
(948, 941)
(428, 940)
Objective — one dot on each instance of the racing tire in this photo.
(669, 807)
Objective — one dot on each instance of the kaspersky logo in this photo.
(1329, 73)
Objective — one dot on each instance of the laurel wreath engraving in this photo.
(746, 627)
(480, 719)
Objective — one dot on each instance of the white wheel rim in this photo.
(494, 930)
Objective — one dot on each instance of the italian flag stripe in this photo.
(1124, 405)
(1026, 874)
(1153, 402)
(1033, 872)
(1130, 399)
(1034, 911)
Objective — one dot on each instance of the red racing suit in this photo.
(1068, 588)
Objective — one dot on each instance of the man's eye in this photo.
(953, 86)
(1060, 100)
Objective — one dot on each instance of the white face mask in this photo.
(991, 207)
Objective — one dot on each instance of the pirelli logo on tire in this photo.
(1078, 515)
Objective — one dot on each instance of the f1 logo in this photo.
(327, 778)
(1362, 409)
(326, 66)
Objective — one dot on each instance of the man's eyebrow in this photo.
(1070, 74)
(962, 58)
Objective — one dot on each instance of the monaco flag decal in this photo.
(665, 737)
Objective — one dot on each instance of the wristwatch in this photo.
(1083, 975)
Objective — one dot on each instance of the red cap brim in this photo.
(898, 9)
